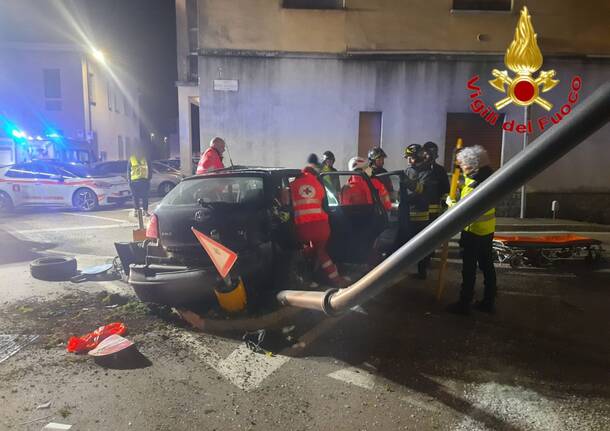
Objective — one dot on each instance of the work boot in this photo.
(459, 307)
(485, 307)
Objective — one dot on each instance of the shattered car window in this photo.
(236, 190)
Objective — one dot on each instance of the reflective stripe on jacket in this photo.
(484, 225)
(139, 169)
(307, 197)
(210, 161)
(384, 196)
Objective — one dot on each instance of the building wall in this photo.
(415, 25)
(110, 121)
(286, 108)
(22, 95)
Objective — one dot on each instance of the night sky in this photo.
(139, 37)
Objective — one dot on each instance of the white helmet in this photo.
(357, 163)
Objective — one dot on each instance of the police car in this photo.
(51, 183)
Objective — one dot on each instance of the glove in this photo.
(450, 202)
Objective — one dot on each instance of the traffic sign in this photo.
(222, 258)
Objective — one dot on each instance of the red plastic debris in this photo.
(91, 340)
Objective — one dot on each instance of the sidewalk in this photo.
(506, 224)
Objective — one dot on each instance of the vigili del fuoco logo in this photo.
(523, 57)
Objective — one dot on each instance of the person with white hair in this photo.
(477, 238)
(212, 157)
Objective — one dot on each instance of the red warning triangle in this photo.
(222, 258)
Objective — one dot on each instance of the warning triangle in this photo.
(222, 258)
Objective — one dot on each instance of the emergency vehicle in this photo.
(59, 184)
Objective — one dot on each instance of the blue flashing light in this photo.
(19, 134)
(53, 135)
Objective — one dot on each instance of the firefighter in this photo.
(477, 238)
(439, 180)
(376, 157)
(138, 176)
(212, 157)
(332, 182)
(414, 200)
(311, 220)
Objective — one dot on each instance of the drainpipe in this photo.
(586, 118)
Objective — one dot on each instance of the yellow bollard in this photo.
(232, 298)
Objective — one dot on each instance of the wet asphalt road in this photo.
(400, 362)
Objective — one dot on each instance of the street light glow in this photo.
(98, 55)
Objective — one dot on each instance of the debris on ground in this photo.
(113, 344)
(44, 406)
(12, 343)
(92, 339)
(54, 426)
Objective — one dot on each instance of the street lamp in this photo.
(98, 55)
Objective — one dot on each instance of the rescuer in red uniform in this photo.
(357, 191)
(212, 157)
(310, 219)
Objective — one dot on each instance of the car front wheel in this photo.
(85, 200)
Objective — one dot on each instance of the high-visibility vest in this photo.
(384, 196)
(356, 192)
(139, 169)
(484, 225)
(307, 196)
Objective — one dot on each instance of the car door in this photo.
(392, 182)
(50, 184)
(26, 187)
(354, 227)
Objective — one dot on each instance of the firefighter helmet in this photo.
(414, 150)
(432, 149)
(328, 155)
(375, 153)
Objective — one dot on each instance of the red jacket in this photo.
(356, 192)
(210, 161)
(307, 197)
(384, 196)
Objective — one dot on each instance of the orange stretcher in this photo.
(543, 250)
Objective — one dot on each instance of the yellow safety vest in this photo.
(485, 224)
(139, 169)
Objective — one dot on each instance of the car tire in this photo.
(53, 268)
(85, 199)
(6, 203)
(165, 188)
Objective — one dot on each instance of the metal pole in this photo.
(586, 118)
(525, 136)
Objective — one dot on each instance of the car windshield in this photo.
(232, 190)
(74, 170)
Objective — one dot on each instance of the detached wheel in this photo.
(85, 199)
(6, 203)
(53, 268)
(516, 261)
(165, 188)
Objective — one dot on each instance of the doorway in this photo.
(369, 132)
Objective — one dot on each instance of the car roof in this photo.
(248, 170)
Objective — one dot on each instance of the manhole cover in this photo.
(11, 344)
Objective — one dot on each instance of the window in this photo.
(120, 142)
(52, 84)
(218, 191)
(116, 104)
(91, 89)
(21, 171)
(483, 5)
(127, 147)
(313, 4)
(109, 93)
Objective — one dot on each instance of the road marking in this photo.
(97, 217)
(602, 270)
(542, 274)
(535, 295)
(243, 368)
(355, 376)
(73, 228)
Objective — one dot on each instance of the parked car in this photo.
(249, 211)
(51, 183)
(164, 178)
(175, 163)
